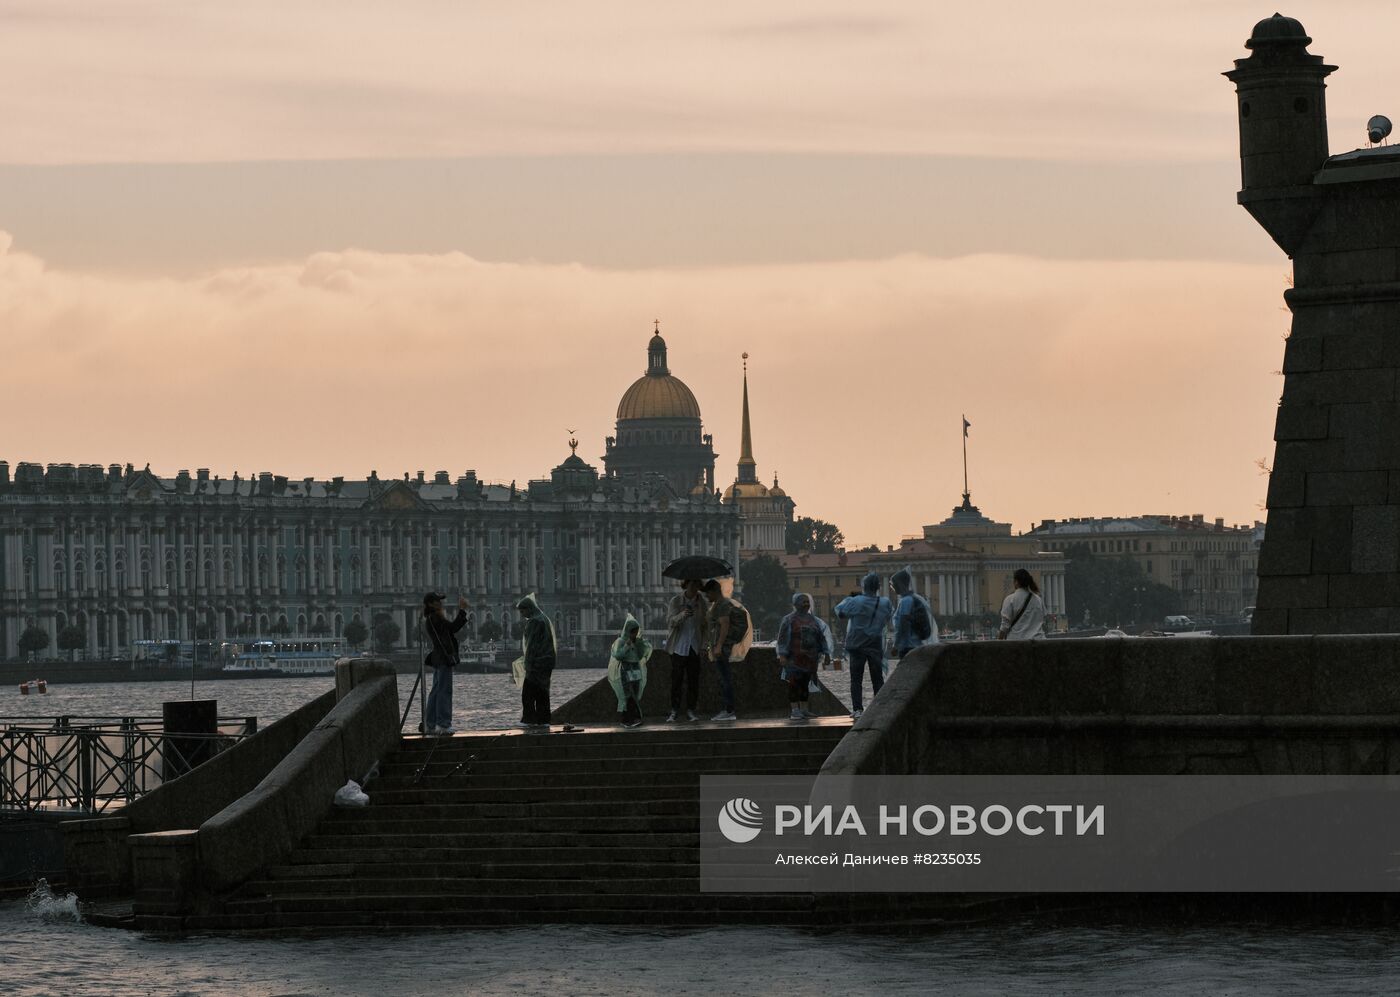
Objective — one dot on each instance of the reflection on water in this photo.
(41, 957)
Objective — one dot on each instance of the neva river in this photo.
(45, 950)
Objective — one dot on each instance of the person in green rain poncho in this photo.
(627, 671)
(535, 666)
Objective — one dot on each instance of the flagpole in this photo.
(966, 491)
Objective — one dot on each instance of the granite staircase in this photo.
(600, 827)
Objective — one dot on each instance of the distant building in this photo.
(963, 566)
(125, 554)
(1213, 567)
(954, 587)
(765, 512)
(659, 430)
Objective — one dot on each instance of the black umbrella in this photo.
(697, 566)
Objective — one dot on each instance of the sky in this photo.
(328, 238)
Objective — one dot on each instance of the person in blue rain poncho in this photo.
(803, 640)
(627, 671)
(866, 615)
(914, 625)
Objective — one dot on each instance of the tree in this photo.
(356, 633)
(767, 591)
(33, 640)
(319, 629)
(489, 631)
(1114, 589)
(72, 638)
(204, 631)
(386, 635)
(806, 535)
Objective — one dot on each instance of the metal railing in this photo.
(92, 764)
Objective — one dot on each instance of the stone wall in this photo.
(97, 856)
(758, 692)
(1161, 706)
(179, 871)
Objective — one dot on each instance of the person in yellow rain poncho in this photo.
(535, 666)
(627, 671)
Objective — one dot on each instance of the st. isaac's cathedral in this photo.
(125, 555)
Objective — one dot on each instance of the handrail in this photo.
(91, 768)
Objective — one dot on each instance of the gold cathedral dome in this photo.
(658, 394)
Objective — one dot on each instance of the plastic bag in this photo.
(351, 795)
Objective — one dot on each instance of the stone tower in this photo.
(1330, 562)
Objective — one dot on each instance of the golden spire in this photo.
(748, 467)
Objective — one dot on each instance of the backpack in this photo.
(738, 623)
(919, 621)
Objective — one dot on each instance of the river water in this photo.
(45, 949)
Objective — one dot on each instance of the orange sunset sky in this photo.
(321, 238)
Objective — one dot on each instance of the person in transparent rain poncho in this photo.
(627, 671)
(867, 614)
(803, 640)
(914, 625)
(534, 669)
(731, 636)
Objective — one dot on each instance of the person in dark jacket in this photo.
(443, 657)
(538, 657)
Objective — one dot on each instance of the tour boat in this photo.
(283, 656)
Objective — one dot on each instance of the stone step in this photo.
(421, 829)
(471, 898)
(443, 765)
(496, 886)
(617, 866)
(570, 787)
(671, 736)
(449, 806)
(554, 837)
(356, 921)
(431, 856)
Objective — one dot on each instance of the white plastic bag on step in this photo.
(351, 795)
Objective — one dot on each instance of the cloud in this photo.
(1093, 387)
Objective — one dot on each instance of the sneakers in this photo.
(692, 716)
(723, 715)
(445, 731)
(632, 723)
(808, 714)
(797, 714)
(855, 714)
(672, 718)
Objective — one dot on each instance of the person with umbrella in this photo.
(627, 671)
(687, 640)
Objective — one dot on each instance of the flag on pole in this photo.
(966, 426)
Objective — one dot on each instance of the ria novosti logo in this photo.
(741, 820)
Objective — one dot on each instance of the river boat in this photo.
(299, 656)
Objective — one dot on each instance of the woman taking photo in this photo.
(1023, 611)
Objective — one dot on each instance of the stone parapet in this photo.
(96, 852)
(758, 692)
(1159, 706)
